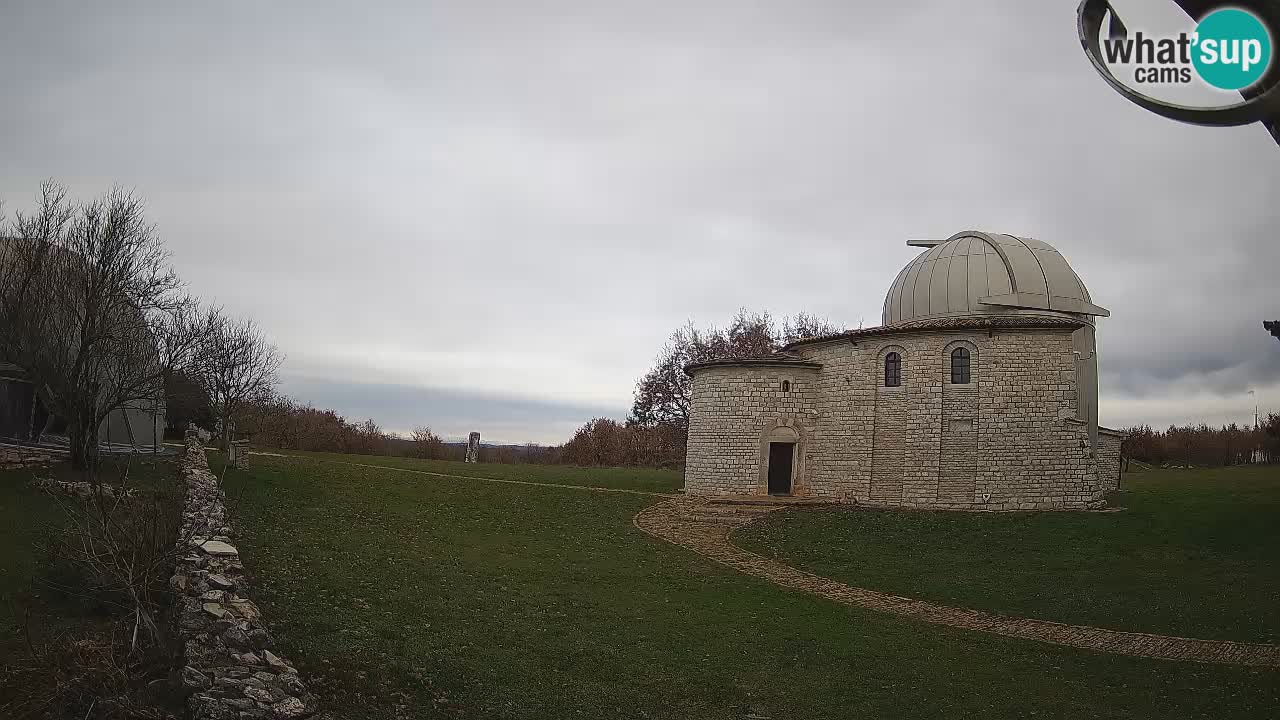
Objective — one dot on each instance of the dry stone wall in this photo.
(232, 666)
(79, 489)
(1007, 440)
(16, 457)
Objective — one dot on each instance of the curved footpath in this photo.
(705, 527)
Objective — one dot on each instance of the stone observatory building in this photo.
(978, 392)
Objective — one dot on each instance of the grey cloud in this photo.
(452, 414)
(523, 200)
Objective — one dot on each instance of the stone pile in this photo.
(232, 666)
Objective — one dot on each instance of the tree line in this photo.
(287, 424)
(654, 433)
(1204, 446)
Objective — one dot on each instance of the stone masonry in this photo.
(232, 667)
(1109, 458)
(733, 410)
(16, 457)
(1008, 440)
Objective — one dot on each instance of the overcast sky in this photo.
(489, 216)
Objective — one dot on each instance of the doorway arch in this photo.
(781, 458)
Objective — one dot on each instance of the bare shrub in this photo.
(123, 544)
(113, 548)
(283, 423)
(606, 442)
(427, 445)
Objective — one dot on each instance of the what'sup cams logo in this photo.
(1230, 47)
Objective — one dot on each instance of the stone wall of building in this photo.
(1109, 458)
(958, 442)
(1004, 441)
(733, 410)
(1032, 457)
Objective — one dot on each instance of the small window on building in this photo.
(786, 386)
(892, 370)
(960, 366)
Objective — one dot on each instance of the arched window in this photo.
(892, 370)
(960, 366)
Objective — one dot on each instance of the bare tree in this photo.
(124, 540)
(662, 396)
(186, 402)
(237, 367)
(805, 326)
(91, 310)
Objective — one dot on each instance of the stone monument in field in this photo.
(473, 447)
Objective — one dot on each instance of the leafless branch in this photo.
(237, 366)
(91, 309)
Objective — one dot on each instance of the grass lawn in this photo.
(642, 479)
(1193, 553)
(405, 595)
(27, 519)
(27, 515)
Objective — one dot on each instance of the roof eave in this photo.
(995, 322)
(692, 368)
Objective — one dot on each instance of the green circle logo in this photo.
(1232, 49)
